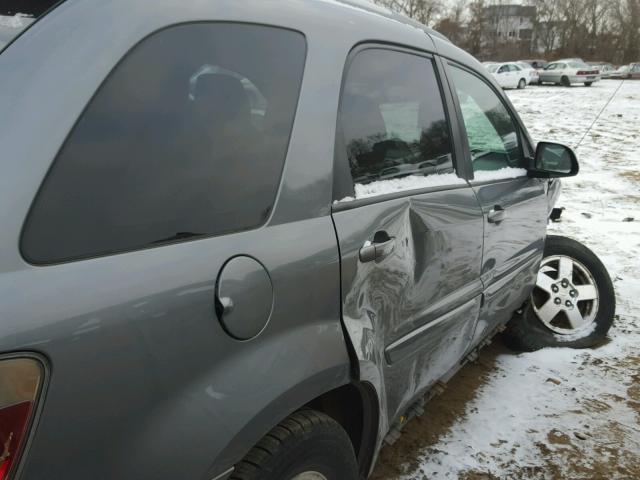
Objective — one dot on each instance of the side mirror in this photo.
(554, 160)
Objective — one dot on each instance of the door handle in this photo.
(497, 214)
(381, 247)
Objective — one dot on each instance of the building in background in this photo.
(508, 30)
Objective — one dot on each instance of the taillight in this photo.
(20, 380)
(581, 72)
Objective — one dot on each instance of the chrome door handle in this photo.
(376, 250)
(497, 214)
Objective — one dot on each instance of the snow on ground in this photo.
(560, 413)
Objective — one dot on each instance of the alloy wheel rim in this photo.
(565, 298)
(309, 476)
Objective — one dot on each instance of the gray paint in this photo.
(244, 297)
(433, 272)
(144, 382)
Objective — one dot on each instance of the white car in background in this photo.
(532, 74)
(568, 72)
(509, 75)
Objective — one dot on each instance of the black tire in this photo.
(522, 83)
(565, 82)
(588, 84)
(306, 441)
(527, 332)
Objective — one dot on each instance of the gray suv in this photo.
(243, 239)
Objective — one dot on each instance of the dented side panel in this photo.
(410, 315)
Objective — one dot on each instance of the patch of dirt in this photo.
(586, 453)
(632, 175)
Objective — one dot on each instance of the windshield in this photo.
(17, 15)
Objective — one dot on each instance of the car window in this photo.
(392, 123)
(186, 138)
(551, 66)
(578, 65)
(491, 132)
(514, 68)
(504, 69)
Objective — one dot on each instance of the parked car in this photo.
(628, 71)
(605, 69)
(532, 74)
(537, 64)
(510, 75)
(621, 72)
(567, 73)
(202, 275)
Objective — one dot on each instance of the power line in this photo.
(599, 114)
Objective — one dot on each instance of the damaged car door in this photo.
(409, 227)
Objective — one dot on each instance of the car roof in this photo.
(372, 8)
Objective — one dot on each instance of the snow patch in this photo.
(19, 20)
(411, 182)
(501, 174)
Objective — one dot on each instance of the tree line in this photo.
(602, 30)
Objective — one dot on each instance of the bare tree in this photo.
(424, 11)
(451, 23)
(476, 26)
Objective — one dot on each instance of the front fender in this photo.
(555, 187)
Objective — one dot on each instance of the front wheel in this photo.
(308, 445)
(522, 83)
(572, 304)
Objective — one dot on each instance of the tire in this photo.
(305, 442)
(565, 82)
(529, 331)
(588, 84)
(522, 83)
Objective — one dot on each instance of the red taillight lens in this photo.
(581, 72)
(20, 380)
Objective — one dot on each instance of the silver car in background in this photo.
(569, 72)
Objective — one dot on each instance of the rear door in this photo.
(409, 227)
(514, 205)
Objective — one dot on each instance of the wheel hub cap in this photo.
(309, 476)
(566, 297)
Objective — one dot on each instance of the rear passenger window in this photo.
(392, 128)
(186, 138)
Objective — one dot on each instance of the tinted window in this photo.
(492, 133)
(392, 121)
(186, 138)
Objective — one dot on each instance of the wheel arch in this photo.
(355, 407)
